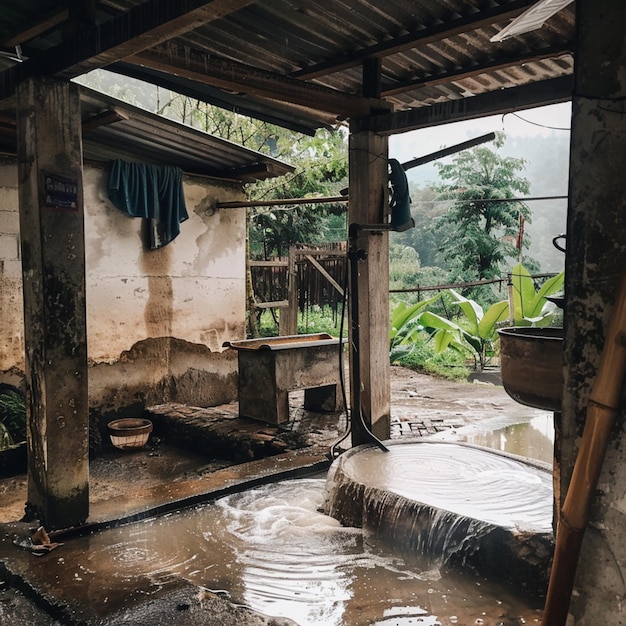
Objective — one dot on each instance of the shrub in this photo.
(12, 418)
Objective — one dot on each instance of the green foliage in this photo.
(404, 264)
(406, 272)
(473, 332)
(478, 234)
(321, 170)
(406, 328)
(476, 330)
(12, 419)
(530, 307)
(315, 320)
(425, 209)
(424, 358)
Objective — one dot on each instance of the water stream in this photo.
(530, 435)
(271, 549)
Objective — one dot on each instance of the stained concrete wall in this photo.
(11, 303)
(156, 319)
(595, 262)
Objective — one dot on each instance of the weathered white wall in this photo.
(156, 319)
(11, 303)
(192, 289)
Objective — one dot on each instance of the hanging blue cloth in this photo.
(154, 192)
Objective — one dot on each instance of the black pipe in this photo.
(360, 432)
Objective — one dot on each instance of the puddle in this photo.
(271, 549)
(530, 436)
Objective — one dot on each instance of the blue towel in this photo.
(151, 191)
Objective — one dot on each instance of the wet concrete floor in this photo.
(125, 486)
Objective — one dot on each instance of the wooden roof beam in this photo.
(541, 93)
(145, 25)
(238, 77)
(475, 70)
(40, 24)
(110, 116)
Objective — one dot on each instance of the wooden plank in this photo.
(371, 395)
(288, 324)
(272, 305)
(324, 273)
(268, 263)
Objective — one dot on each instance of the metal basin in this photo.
(531, 362)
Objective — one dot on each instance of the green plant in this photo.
(475, 332)
(316, 319)
(423, 358)
(12, 418)
(530, 307)
(406, 328)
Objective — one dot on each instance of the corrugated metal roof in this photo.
(153, 139)
(113, 129)
(430, 51)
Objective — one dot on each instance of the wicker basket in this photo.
(130, 432)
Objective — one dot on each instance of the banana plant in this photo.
(476, 331)
(530, 307)
(406, 327)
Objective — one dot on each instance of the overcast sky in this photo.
(528, 123)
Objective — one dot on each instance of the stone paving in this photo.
(220, 432)
(215, 448)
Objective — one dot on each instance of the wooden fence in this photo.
(310, 276)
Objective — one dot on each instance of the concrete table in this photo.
(271, 367)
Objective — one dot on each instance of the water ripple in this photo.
(464, 480)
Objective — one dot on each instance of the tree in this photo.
(483, 229)
(321, 170)
(425, 210)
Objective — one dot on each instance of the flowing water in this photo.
(465, 480)
(271, 549)
(531, 436)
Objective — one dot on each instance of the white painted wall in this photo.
(191, 290)
(11, 303)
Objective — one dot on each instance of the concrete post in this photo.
(53, 262)
(595, 261)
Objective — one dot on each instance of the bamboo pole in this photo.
(602, 409)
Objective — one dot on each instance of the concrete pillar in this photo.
(369, 205)
(595, 261)
(53, 262)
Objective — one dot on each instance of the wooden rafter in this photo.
(40, 24)
(145, 25)
(231, 75)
